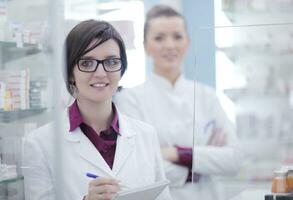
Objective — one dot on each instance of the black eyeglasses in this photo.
(91, 65)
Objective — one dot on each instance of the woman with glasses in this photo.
(172, 103)
(102, 151)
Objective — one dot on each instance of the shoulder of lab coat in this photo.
(37, 179)
(128, 101)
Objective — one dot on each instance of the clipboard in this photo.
(149, 192)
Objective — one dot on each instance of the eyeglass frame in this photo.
(98, 63)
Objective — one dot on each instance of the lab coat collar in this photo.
(85, 149)
(164, 83)
(125, 143)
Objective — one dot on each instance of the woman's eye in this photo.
(111, 62)
(86, 63)
(158, 38)
(178, 37)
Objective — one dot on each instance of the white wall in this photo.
(177, 4)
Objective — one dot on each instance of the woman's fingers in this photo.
(107, 188)
(217, 138)
(103, 188)
(170, 153)
(103, 196)
(104, 181)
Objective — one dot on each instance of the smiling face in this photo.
(98, 86)
(166, 42)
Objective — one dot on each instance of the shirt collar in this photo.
(115, 121)
(76, 119)
(163, 82)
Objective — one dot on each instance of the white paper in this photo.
(149, 192)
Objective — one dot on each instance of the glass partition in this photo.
(251, 130)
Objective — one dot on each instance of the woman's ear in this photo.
(187, 44)
(187, 39)
(146, 50)
(71, 81)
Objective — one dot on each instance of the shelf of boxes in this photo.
(24, 74)
(257, 6)
(12, 188)
(14, 90)
(262, 54)
(8, 116)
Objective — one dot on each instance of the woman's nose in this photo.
(100, 71)
(169, 43)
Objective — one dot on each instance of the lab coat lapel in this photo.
(87, 151)
(125, 144)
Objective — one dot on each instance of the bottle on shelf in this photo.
(290, 179)
(279, 182)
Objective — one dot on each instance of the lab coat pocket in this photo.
(146, 172)
(142, 173)
(203, 131)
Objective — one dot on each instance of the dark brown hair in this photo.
(159, 11)
(77, 44)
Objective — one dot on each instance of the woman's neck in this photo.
(98, 116)
(171, 75)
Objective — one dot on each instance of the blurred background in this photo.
(242, 48)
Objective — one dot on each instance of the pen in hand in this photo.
(90, 175)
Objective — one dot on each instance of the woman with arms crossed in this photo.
(166, 100)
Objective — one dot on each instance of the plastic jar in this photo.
(279, 182)
(290, 180)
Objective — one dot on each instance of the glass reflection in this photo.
(254, 71)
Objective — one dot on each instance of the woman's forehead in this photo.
(109, 47)
(167, 23)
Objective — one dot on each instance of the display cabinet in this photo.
(256, 75)
(253, 47)
(12, 189)
(24, 85)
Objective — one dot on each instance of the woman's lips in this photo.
(100, 85)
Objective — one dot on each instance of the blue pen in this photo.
(211, 124)
(96, 176)
(91, 175)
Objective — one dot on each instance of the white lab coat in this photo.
(171, 110)
(137, 160)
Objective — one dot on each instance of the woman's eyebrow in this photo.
(159, 34)
(106, 57)
(87, 57)
(112, 56)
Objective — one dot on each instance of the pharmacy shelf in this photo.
(260, 17)
(262, 50)
(11, 180)
(12, 189)
(8, 116)
(11, 50)
(236, 94)
(14, 44)
(232, 188)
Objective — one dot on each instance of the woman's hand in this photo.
(218, 137)
(170, 153)
(102, 188)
